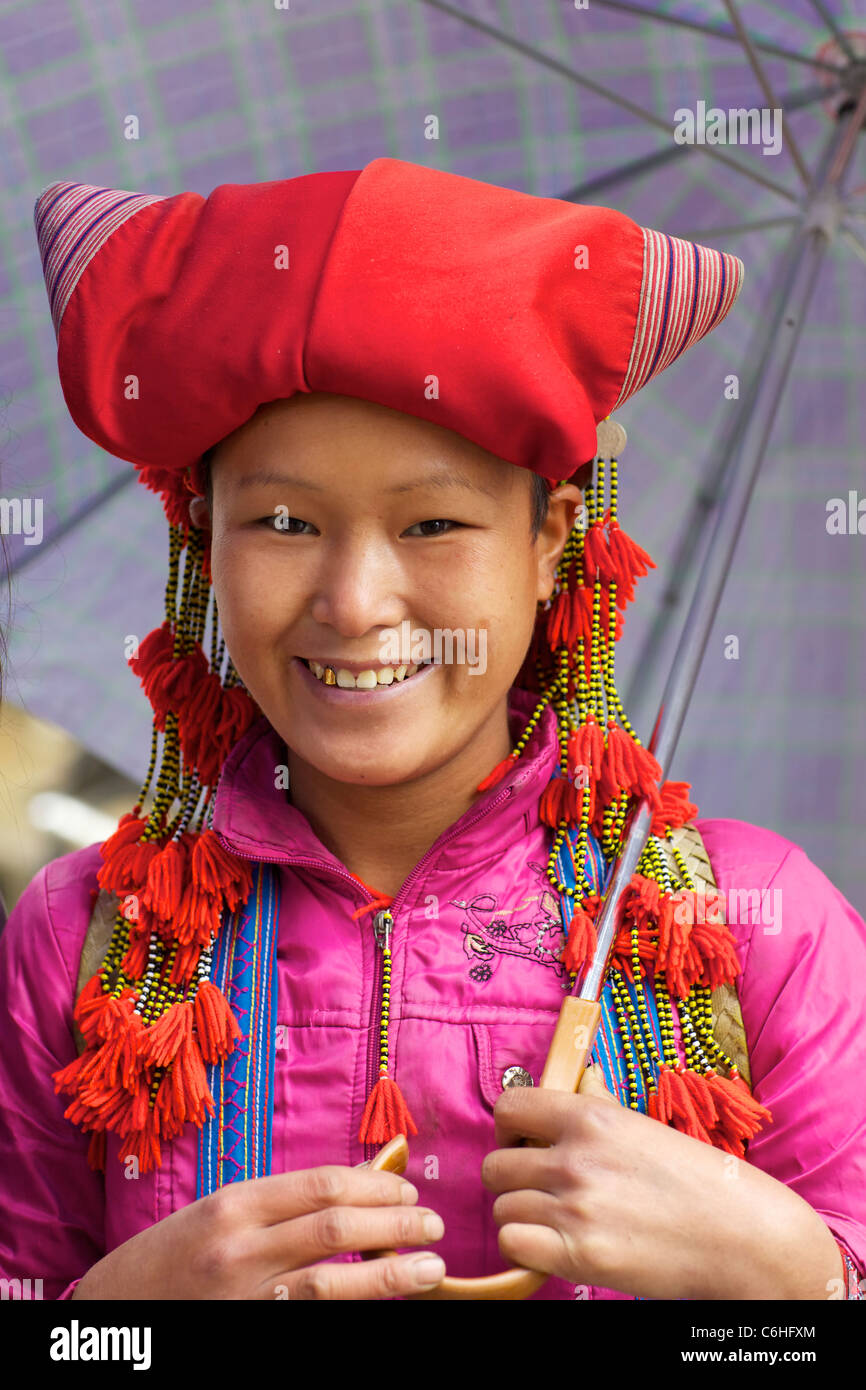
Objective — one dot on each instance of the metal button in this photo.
(516, 1076)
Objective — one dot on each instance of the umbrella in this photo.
(556, 100)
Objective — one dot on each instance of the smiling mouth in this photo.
(364, 680)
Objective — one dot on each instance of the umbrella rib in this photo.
(766, 88)
(838, 35)
(712, 33)
(564, 70)
(736, 228)
(643, 164)
(858, 246)
(75, 519)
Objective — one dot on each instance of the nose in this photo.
(360, 587)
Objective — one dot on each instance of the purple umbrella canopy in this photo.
(714, 122)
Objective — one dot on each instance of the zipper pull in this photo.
(383, 924)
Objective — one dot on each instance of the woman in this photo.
(340, 918)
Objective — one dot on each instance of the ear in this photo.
(561, 517)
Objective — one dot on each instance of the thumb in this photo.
(592, 1084)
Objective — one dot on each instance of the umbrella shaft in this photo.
(795, 282)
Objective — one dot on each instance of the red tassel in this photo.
(196, 725)
(183, 676)
(75, 1073)
(153, 658)
(197, 918)
(702, 1097)
(126, 857)
(218, 872)
(581, 942)
(500, 770)
(550, 803)
(215, 1024)
(627, 558)
(718, 1110)
(628, 767)
(675, 809)
(646, 951)
(165, 880)
(134, 961)
(143, 1145)
(238, 712)
(740, 1115)
(673, 1104)
(641, 899)
(556, 627)
(386, 1114)
(585, 746)
(91, 1002)
(192, 1079)
(162, 1040)
(691, 950)
(116, 1061)
(716, 950)
(597, 559)
(185, 964)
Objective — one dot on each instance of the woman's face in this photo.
(339, 525)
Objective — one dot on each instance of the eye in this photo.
(439, 521)
(281, 523)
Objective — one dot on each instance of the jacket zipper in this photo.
(382, 930)
(378, 928)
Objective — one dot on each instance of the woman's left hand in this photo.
(624, 1202)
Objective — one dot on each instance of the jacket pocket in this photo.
(500, 1046)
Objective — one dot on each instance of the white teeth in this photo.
(366, 680)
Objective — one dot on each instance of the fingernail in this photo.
(408, 1194)
(428, 1270)
(433, 1226)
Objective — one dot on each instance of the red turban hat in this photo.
(518, 321)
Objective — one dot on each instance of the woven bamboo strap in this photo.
(727, 1018)
(96, 942)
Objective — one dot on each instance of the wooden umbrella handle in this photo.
(572, 1043)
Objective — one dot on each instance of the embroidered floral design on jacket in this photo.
(488, 933)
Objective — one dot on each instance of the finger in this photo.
(592, 1084)
(281, 1196)
(512, 1170)
(528, 1207)
(535, 1247)
(524, 1112)
(305, 1240)
(394, 1277)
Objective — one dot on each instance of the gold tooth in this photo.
(330, 676)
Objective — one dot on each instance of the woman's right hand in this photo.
(268, 1238)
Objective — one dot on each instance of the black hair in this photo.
(540, 504)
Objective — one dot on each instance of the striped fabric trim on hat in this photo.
(73, 220)
(686, 291)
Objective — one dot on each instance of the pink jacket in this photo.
(801, 945)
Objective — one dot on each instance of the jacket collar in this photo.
(256, 820)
